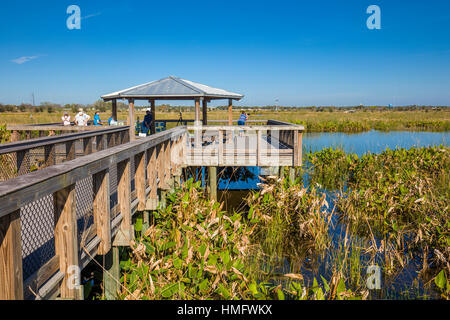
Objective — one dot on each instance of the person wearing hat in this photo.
(66, 119)
(147, 123)
(81, 118)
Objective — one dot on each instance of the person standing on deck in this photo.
(241, 122)
(97, 121)
(81, 118)
(242, 119)
(66, 119)
(147, 123)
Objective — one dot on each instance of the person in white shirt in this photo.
(81, 118)
(66, 119)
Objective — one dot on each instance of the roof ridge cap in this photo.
(184, 83)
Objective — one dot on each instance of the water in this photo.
(359, 143)
(373, 141)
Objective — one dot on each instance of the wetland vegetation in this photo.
(315, 119)
(312, 238)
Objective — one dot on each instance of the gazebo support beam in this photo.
(131, 119)
(230, 112)
(205, 112)
(197, 112)
(114, 109)
(153, 107)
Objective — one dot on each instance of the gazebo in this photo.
(171, 88)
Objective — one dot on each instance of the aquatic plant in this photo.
(193, 250)
(405, 195)
(289, 214)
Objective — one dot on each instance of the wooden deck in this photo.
(276, 145)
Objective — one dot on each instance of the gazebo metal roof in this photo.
(172, 88)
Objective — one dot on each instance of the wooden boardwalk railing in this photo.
(17, 157)
(278, 144)
(25, 131)
(156, 160)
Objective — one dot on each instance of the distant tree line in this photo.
(103, 106)
(51, 107)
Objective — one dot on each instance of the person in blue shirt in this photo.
(242, 119)
(97, 121)
(241, 122)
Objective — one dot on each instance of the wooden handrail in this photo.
(43, 141)
(21, 163)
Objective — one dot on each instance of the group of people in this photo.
(81, 119)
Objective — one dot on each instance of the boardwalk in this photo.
(64, 214)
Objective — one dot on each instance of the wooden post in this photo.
(258, 147)
(114, 109)
(131, 119)
(111, 274)
(49, 155)
(111, 140)
(297, 150)
(115, 139)
(205, 112)
(220, 159)
(11, 279)
(101, 209)
(15, 136)
(167, 164)
(153, 126)
(87, 146)
(123, 137)
(160, 164)
(152, 201)
(66, 241)
(139, 179)
(70, 150)
(197, 112)
(125, 234)
(101, 143)
(23, 162)
(230, 112)
(292, 174)
(212, 183)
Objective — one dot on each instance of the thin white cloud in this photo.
(24, 59)
(91, 16)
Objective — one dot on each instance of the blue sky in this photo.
(299, 52)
